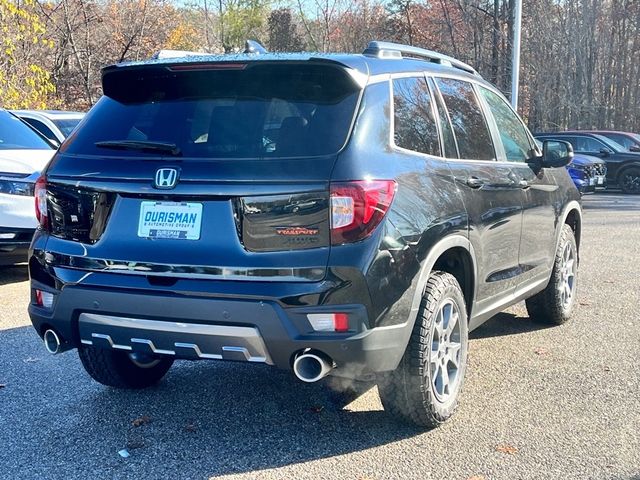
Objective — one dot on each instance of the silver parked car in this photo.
(56, 125)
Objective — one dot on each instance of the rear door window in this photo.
(231, 111)
(448, 138)
(588, 145)
(414, 123)
(468, 121)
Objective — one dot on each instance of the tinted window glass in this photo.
(469, 124)
(41, 127)
(513, 133)
(414, 124)
(588, 144)
(266, 110)
(449, 141)
(15, 135)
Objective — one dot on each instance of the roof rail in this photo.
(397, 50)
(174, 54)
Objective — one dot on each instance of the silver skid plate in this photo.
(182, 340)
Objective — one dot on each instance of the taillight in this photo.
(40, 193)
(357, 208)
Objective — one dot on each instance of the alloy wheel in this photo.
(566, 285)
(630, 181)
(446, 348)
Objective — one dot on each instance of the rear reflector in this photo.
(329, 322)
(44, 299)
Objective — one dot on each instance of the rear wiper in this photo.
(170, 148)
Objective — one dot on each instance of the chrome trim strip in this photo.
(205, 272)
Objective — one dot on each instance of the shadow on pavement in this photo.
(13, 274)
(506, 324)
(204, 419)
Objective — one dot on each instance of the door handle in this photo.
(475, 182)
(523, 184)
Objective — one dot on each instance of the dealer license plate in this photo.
(173, 220)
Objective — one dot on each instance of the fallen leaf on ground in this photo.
(541, 351)
(30, 360)
(143, 420)
(134, 443)
(509, 449)
(190, 427)
(585, 304)
(607, 369)
(317, 408)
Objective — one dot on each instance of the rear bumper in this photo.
(190, 326)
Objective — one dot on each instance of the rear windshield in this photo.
(16, 135)
(237, 111)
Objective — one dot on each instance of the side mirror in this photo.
(556, 154)
(634, 148)
(604, 152)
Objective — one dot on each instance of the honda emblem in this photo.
(166, 178)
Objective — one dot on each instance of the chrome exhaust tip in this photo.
(311, 366)
(52, 342)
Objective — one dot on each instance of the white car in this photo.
(23, 154)
(56, 125)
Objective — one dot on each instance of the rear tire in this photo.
(629, 180)
(555, 304)
(122, 369)
(425, 387)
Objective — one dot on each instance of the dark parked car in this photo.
(630, 141)
(623, 166)
(353, 215)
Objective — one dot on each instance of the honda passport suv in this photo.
(346, 215)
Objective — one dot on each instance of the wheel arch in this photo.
(455, 255)
(572, 216)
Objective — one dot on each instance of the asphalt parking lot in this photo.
(547, 403)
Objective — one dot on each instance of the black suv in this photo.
(352, 215)
(623, 166)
